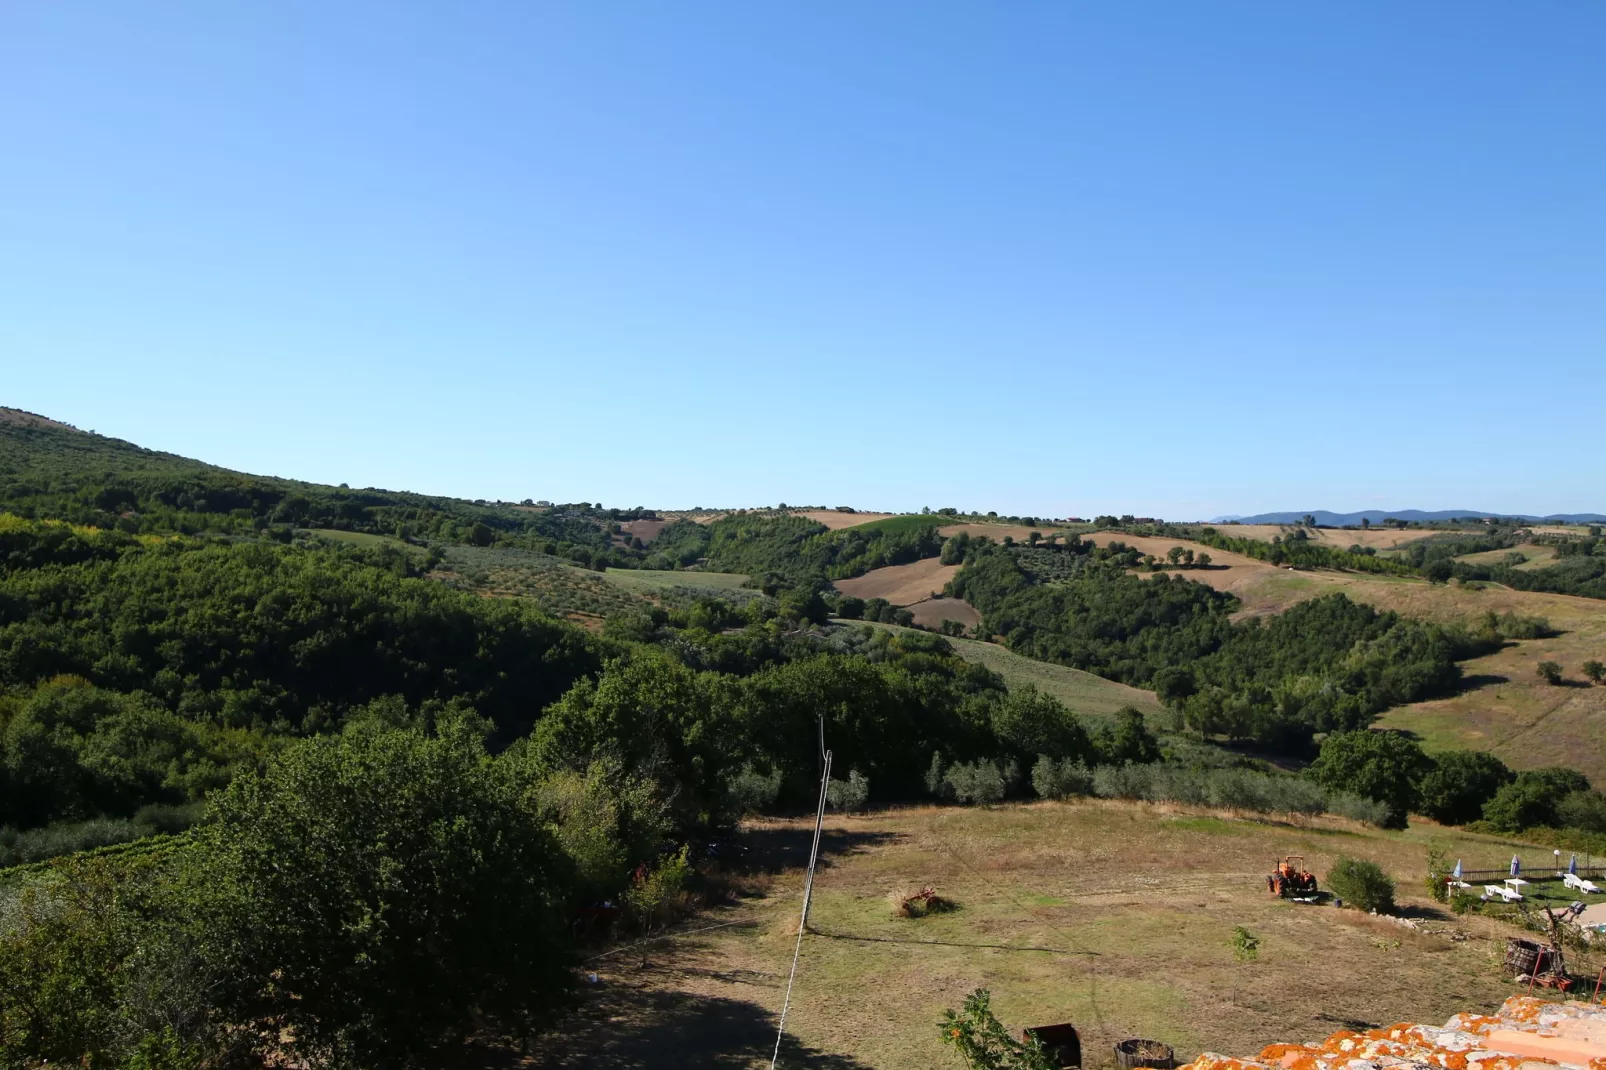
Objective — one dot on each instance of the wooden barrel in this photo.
(1063, 1044)
(1133, 1053)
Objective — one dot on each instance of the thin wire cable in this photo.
(802, 922)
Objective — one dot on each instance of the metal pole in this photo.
(808, 895)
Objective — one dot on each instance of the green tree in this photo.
(372, 895)
(1384, 766)
(661, 722)
(1595, 671)
(1455, 790)
(1029, 722)
(1549, 672)
(1174, 555)
(1533, 799)
(1130, 742)
(481, 535)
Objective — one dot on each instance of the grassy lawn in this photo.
(1116, 917)
(1538, 556)
(1081, 691)
(358, 538)
(648, 580)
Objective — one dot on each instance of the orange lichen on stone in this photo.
(1525, 1034)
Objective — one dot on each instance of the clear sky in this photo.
(1174, 259)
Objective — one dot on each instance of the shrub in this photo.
(1245, 944)
(850, 794)
(919, 903)
(753, 793)
(1582, 810)
(1361, 883)
(1357, 808)
(662, 893)
(983, 1042)
(936, 782)
(1549, 672)
(1059, 779)
(976, 782)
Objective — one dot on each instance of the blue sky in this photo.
(1174, 259)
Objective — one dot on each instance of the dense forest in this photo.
(1325, 665)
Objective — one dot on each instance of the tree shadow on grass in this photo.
(625, 1027)
(771, 849)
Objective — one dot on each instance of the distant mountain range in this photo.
(1376, 516)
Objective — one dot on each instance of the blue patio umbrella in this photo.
(1456, 873)
(1516, 866)
(1572, 865)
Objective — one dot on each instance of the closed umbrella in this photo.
(1457, 872)
(1516, 866)
(1572, 865)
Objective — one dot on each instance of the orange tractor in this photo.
(1290, 879)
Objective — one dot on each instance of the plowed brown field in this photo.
(902, 585)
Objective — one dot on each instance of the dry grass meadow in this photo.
(1338, 538)
(1117, 917)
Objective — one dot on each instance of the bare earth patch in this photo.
(837, 521)
(22, 418)
(1116, 917)
(645, 530)
(902, 585)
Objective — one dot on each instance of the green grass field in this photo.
(1117, 917)
(357, 538)
(1538, 557)
(1082, 692)
(648, 580)
(896, 524)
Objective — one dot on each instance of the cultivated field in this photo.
(1239, 575)
(645, 530)
(1338, 538)
(1082, 692)
(837, 521)
(996, 532)
(560, 588)
(1538, 556)
(933, 611)
(901, 585)
(648, 581)
(1117, 917)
